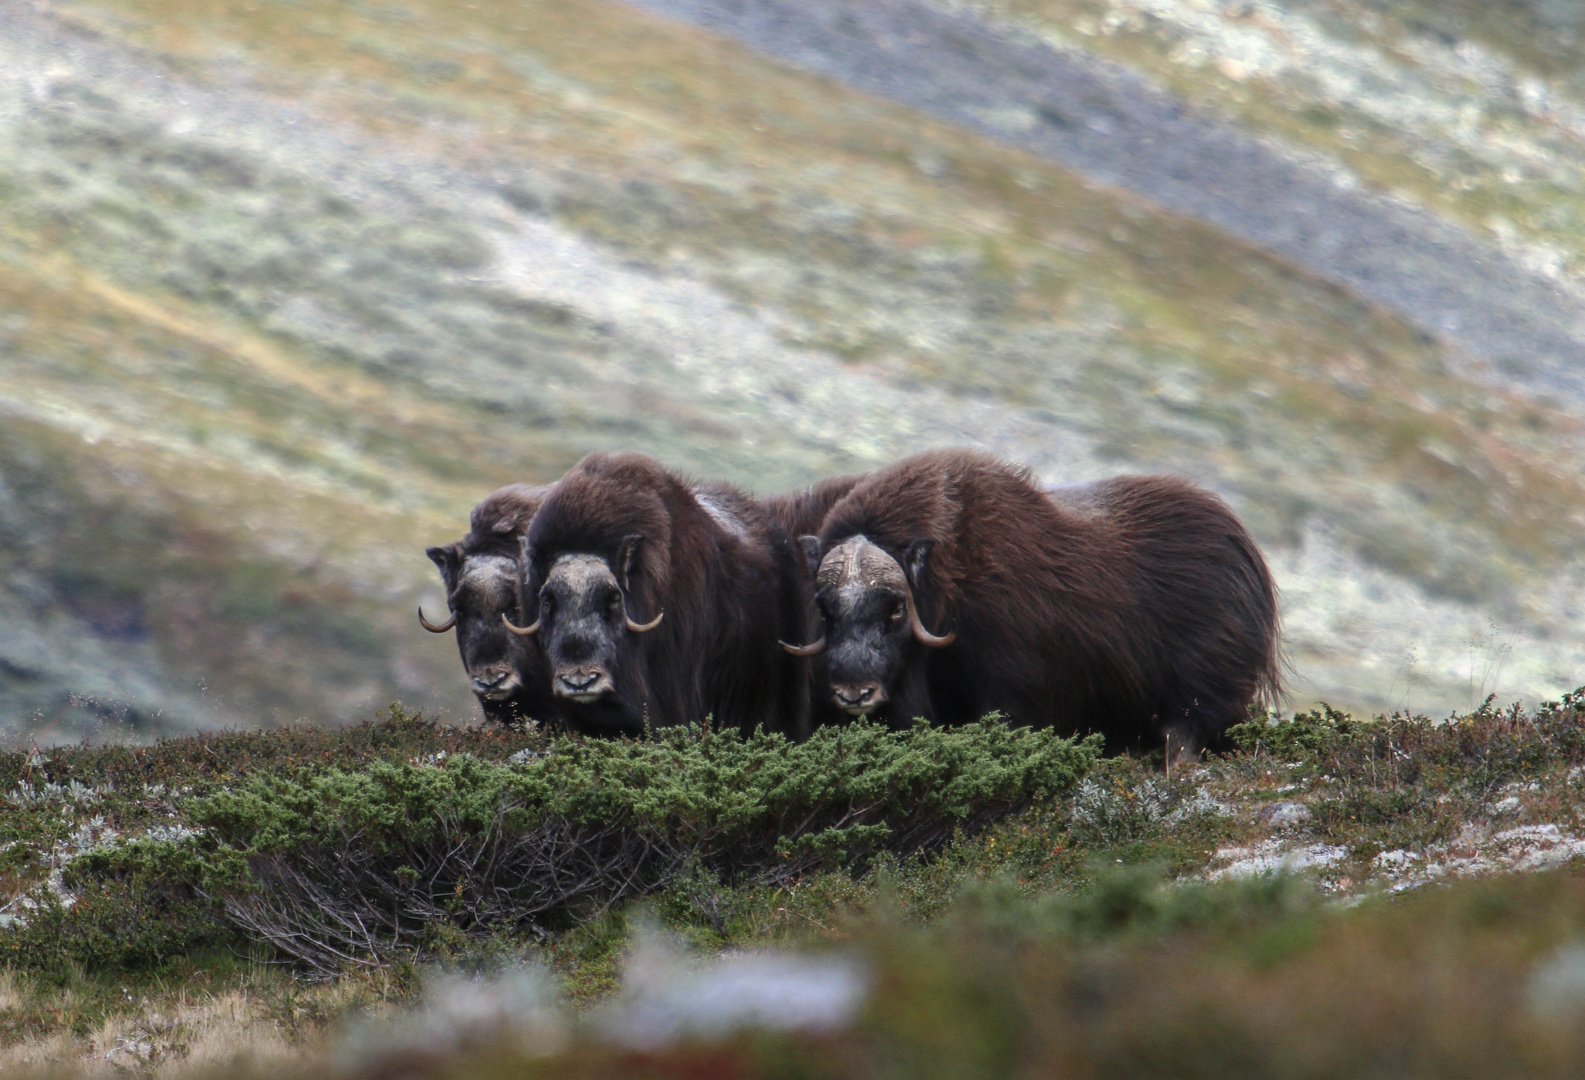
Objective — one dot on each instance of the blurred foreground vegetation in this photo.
(1334, 897)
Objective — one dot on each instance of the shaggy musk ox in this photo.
(949, 586)
(481, 576)
(798, 513)
(658, 602)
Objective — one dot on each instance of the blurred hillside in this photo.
(287, 285)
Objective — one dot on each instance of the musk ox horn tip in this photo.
(520, 631)
(435, 628)
(644, 628)
(923, 636)
(814, 648)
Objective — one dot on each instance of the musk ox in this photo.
(800, 512)
(659, 602)
(481, 576)
(949, 586)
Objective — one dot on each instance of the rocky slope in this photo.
(284, 288)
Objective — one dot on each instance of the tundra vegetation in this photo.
(1331, 896)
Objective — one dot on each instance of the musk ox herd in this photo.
(947, 586)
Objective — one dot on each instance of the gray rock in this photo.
(1285, 815)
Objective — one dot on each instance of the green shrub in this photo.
(338, 867)
(115, 925)
(1482, 749)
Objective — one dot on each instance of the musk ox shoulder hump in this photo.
(506, 510)
(720, 513)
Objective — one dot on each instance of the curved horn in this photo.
(814, 648)
(923, 636)
(520, 631)
(436, 628)
(644, 628)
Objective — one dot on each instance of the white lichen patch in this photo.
(1273, 857)
(72, 825)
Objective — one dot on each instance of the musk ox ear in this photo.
(915, 560)
(812, 552)
(449, 560)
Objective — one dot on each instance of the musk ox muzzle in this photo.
(495, 683)
(582, 684)
(858, 700)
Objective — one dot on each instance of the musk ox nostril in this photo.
(583, 685)
(854, 697)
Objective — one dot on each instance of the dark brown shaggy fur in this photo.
(494, 527)
(728, 581)
(1135, 607)
(505, 514)
(801, 512)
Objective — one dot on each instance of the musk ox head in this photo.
(872, 626)
(480, 590)
(583, 623)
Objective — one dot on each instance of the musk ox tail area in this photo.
(1206, 588)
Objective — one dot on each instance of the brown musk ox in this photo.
(950, 586)
(658, 602)
(482, 581)
(800, 512)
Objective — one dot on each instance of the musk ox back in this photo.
(482, 581)
(950, 586)
(660, 602)
(801, 512)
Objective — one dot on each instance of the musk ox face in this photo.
(872, 627)
(480, 589)
(582, 627)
